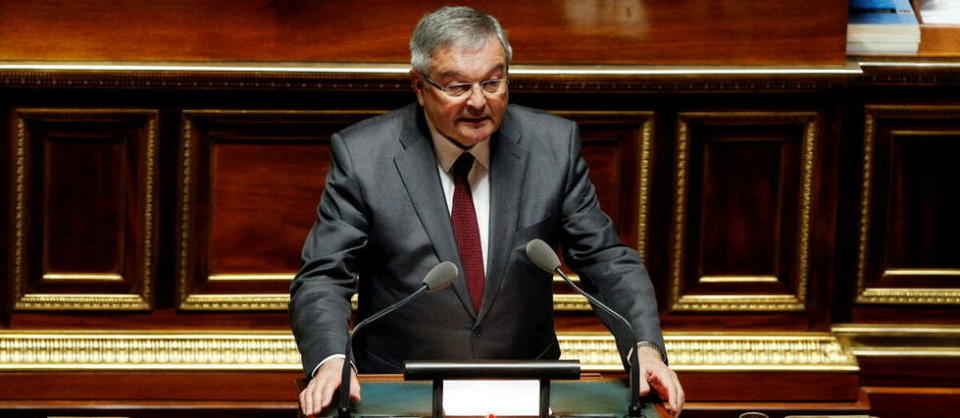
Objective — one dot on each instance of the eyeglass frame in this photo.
(479, 84)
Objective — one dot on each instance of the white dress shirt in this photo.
(447, 153)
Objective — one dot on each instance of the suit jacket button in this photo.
(476, 331)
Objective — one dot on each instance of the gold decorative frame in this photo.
(83, 301)
(645, 120)
(234, 301)
(742, 302)
(901, 296)
(276, 350)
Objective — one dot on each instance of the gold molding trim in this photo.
(910, 64)
(900, 296)
(573, 278)
(901, 340)
(909, 296)
(850, 68)
(149, 190)
(806, 204)
(742, 302)
(394, 77)
(704, 303)
(186, 195)
(747, 352)
(81, 301)
(570, 302)
(896, 329)
(869, 126)
(236, 302)
(738, 279)
(82, 276)
(144, 350)
(251, 277)
(921, 272)
(19, 211)
(276, 350)
(280, 302)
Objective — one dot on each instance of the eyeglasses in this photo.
(492, 86)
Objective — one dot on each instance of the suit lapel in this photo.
(417, 166)
(508, 163)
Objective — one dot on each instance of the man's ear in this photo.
(417, 84)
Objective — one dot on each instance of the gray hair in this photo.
(459, 26)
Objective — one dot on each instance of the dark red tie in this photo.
(463, 217)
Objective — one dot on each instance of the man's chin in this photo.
(474, 138)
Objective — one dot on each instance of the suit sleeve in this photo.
(321, 291)
(610, 270)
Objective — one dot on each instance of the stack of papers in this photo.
(940, 12)
(882, 26)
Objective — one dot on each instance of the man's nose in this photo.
(477, 100)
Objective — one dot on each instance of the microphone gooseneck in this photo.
(439, 277)
(544, 257)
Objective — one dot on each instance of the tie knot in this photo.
(462, 167)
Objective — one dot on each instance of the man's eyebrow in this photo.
(457, 74)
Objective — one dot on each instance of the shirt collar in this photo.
(447, 152)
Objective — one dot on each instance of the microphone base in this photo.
(635, 411)
(344, 412)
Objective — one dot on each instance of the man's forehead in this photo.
(455, 59)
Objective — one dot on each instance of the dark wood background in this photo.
(543, 32)
(178, 200)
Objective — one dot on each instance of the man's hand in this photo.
(319, 391)
(654, 373)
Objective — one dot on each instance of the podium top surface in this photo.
(581, 398)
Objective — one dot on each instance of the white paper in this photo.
(498, 397)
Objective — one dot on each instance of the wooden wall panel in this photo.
(545, 32)
(749, 170)
(250, 183)
(909, 234)
(84, 209)
(618, 147)
(742, 205)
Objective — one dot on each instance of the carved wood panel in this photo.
(84, 208)
(909, 233)
(250, 183)
(618, 147)
(743, 194)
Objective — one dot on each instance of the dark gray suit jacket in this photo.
(383, 219)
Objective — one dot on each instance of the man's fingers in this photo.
(644, 389)
(682, 397)
(354, 387)
(305, 399)
(326, 393)
(666, 382)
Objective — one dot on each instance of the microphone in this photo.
(544, 257)
(439, 277)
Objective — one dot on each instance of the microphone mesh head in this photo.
(440, 276)
(542, 255)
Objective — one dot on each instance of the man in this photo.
(460, 176)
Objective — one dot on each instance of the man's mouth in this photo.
(473, 120)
